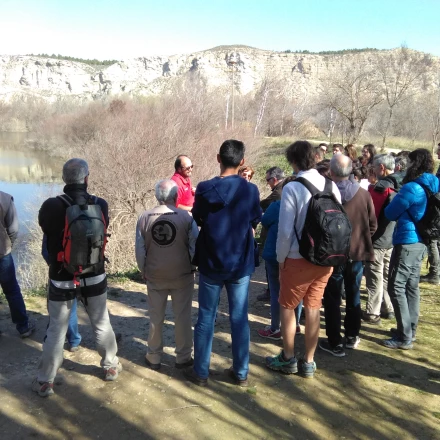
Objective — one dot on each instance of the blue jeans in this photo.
(11, 289)
(209, 294)
(349, 274)
(73, 336)
(273, 278)
(403, 287)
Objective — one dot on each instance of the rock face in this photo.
(53, 79)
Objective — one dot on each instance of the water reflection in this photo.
(21, 164)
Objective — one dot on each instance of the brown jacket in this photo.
(359, 206)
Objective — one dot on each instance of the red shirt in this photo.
(184, 196)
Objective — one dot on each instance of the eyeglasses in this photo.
(187, 168)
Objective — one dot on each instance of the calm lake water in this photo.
(30, 176)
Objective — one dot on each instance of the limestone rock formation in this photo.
(53, 79)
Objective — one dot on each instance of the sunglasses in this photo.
(188, 168)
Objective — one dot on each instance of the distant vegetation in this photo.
(93, 62)
(334, 52)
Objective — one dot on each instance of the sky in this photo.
(110, 29)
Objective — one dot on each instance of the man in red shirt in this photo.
(183, 169)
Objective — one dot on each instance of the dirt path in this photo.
(371, 393)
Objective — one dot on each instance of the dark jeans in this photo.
(11, 289)
(349, 274)
(403, 287)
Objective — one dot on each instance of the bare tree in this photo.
(353, 91)
(401, 74)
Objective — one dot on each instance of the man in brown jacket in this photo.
(165, 244)
(360, 211)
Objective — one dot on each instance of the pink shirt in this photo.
(184, 196)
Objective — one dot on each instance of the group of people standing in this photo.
(211, 229)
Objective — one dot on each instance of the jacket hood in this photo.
(428, 180)
(348, 189)
(385, 183)
(78, 192)
(220, 191)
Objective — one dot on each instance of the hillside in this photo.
(53, 78)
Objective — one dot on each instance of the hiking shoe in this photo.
(25, 333)
(387, 315)
(431, 279)
(396, 334)
(278, 363)
(154, 367)
(43, 389)
(370, 318)
(337, 350)
(264, 296)
(352, 342)
(266, 332)
(306, 369)
(183, 365)
(298, 329)
(397, 343)
(113, 372)
(240, 382)
(191, 375)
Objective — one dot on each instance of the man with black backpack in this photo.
(305, 262)
(360, 211)
(75, 224)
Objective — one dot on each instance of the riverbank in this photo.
(371, 393)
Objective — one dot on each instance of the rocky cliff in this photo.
(53, 79)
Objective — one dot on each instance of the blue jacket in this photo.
(409, 205)
(270, 222)
(226, 209)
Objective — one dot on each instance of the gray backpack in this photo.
(84, 238)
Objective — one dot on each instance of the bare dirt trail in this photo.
(371, 393)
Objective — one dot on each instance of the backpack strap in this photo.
(311, 188)
(66, 199)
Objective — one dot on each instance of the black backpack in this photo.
(84, 238)
(325, 239)
(429, 225)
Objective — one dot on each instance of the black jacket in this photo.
(51, 218)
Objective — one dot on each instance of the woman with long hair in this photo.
(368, 152)
(407, 208)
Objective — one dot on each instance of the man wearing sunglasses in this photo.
(182, 176)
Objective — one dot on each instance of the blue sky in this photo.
(113, 29)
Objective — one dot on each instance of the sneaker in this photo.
(240, 382)
(337, 350)
(352, 342)
(298, 329)
(278, 363)
(266, 332)
(113, 372)
(306, 369)
(370, 318)
(431, 279)
(397, 343)
(387, 315)
(73, 349)
(151, 365)
(264, 296)
(25, 333)
(43, 389)
(395, 334)
(183, 365)
(191, 375)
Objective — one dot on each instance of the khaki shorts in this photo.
(302, 280)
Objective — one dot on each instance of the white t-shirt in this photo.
(294, 204)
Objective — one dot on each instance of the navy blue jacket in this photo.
(226, 209)
(409, 206)
(270, 221)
